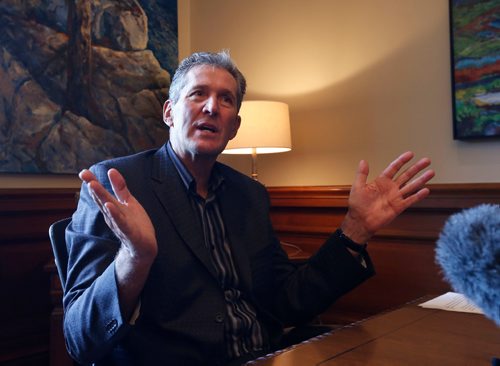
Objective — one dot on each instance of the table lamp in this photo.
(265, 129)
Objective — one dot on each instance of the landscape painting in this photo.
(475, 40)
(82, 81)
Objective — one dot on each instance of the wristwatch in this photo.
(349, 243)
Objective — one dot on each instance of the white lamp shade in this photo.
(265, 129)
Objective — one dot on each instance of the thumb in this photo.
(361, 174)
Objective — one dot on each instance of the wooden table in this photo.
(410, 335)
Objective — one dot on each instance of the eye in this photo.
(196, 93)
(227, 100)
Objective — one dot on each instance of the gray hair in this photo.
(220, 59)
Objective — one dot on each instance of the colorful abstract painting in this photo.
(475, 41)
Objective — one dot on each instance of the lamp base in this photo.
(254, 164)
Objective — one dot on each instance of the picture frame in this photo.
(475, 60)
(83, 81)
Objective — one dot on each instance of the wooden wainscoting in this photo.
(303, 218)
(25, 216)
(403, 252)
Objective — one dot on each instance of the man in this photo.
(181, 265)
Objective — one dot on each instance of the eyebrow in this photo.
(224, 91)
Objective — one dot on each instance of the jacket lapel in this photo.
(170, 191)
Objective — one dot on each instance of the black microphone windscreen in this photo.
(468, 251)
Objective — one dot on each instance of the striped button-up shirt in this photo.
(243, 333)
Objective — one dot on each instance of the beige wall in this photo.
(365, 79)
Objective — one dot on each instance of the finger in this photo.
(108, 217)
(111, 215)
(361, 174)
(108, 206)
(94, 187)
(101, 196)
(122, 226)
(100, 192)
(397, 164)
(119, 186)
(116, 221)
(416, 197)
(412, 171)
(86, 175)
(418, 183)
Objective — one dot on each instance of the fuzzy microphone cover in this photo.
(468, 250)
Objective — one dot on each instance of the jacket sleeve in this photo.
(329, 274)
(93, 323)
(301, 292)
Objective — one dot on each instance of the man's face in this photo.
(205, 117)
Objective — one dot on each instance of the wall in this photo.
(365, 79)
(25, 254)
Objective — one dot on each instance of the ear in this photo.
(236, 126)
(167, 113)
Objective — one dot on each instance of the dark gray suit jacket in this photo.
(182, 311)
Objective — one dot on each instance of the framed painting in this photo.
(475, 56)
(82, 81)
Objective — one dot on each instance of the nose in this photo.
(211, 105)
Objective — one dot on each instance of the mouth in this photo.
(207, 127)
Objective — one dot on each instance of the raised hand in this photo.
(124, 215)
(374, 205)
(131, 224)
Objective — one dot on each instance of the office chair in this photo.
(57, 239)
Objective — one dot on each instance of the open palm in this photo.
(374, 205)
(124, 214)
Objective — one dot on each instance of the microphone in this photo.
(468, 251)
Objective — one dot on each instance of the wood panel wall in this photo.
(25, 216)
(403, 252)
(303, 217)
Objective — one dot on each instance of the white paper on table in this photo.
(452, 301)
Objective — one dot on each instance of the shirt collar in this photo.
(216, 178)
